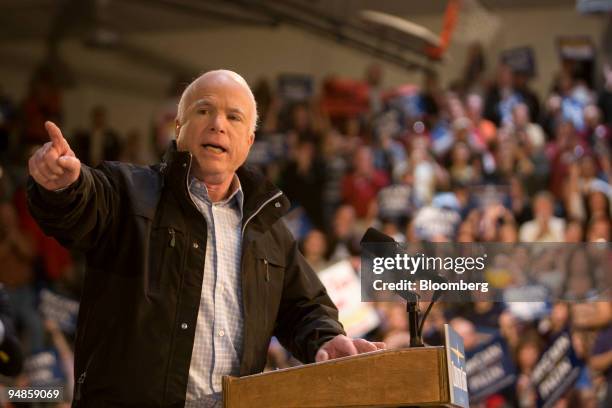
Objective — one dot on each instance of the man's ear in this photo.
(177, 129)
(251, 139)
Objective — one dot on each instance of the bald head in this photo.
(216, 76)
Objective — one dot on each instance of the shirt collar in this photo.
(199, 189)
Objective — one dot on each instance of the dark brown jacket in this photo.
(145, 244)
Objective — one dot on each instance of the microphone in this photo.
(415, 323)
(374, 236)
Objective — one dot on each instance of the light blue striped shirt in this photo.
(217, 348)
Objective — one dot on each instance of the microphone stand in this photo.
(414, 317)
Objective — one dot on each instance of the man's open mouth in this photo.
(214, 148)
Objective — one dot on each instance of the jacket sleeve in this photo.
(307, 317)
(81, 215)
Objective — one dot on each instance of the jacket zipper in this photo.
(187, 183)
(274, 197)
(80, 381)
(265, 261)
(172, 234)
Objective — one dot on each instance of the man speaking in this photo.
(190, 269)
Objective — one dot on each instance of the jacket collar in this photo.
(257, 189)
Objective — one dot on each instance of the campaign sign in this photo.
(430, 222)
(455, 361)
(489, 368)
(295, 87)
(520, 59)
(556, 371)
(579, 48)
(44, 369)
(60, 309)
(344, 289)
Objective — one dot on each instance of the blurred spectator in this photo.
(575, 96)
(522, 124)
(17, 275)
(99, 142)
(303, 181)
(432, 96)
(484, 130)
(8, 124)
(596, 134)
(475, 65)
(395, 202)
(461, 169)
(605, 95)
(314, 248)
(574, 231)
(344, 239)
(544, 227)
(374, 78)
(529, 97)
(164, 116)
(335, 163)
(519, 202)
(501, 97)
(527, 355)
(580, 281)
(11, 355)
(43, 102)
(467, 330)
(601, 363)
(396, 327)
(599, 230)
(359, 187)
(135, 150)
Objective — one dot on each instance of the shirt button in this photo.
(184, 164)
(221, 333)
(184, 326)
(196, 245)
(277, 204)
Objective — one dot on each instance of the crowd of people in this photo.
(482, 160)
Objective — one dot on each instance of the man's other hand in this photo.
(54, 166)
(342, 346)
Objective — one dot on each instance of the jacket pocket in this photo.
(270, 275)
(92, 360)
(165, 257)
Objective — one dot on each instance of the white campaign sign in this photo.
(344, 289)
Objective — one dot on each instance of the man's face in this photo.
(216, 127)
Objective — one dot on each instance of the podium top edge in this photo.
(340, 359)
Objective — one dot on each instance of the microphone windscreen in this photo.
(374, 236)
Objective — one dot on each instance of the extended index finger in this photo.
(55, 134)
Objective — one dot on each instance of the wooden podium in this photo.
(395, 378)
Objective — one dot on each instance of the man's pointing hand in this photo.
(54, 166)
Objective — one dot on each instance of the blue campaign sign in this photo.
(44, 369)
(556, 371)
(455, 361)
(60, 309)
(489, 368)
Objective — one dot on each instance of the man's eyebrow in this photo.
(207, 102)
(237, 110)
(200, 102)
